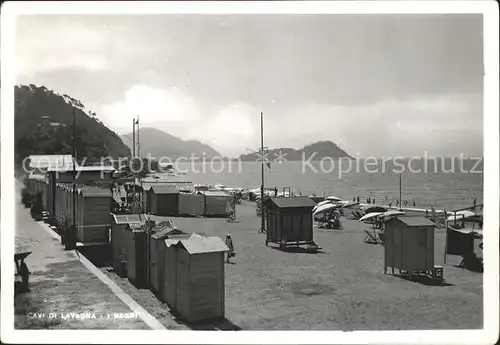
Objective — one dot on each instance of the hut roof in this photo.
(167, 230)
(104, 168)
(216, 193)
(135, 226)
(180, 185)
(199, 244)
(94, 192)
(164, 189)
(413, 221)
(51, 161)
(129, 218)
(37, 177)
(298, 201)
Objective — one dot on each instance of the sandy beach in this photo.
(341, 288)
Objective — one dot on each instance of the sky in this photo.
(377, 85)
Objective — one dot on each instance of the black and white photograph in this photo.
(250, 166)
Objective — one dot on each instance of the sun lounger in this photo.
(370, 238)
(381, 237)
(356, 215)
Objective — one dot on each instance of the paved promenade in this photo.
(64, 292)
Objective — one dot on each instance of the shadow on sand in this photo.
(423, 279)
(297, 250)
(207, 325)
(475, 269)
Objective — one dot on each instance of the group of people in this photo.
(371, 200)
(403, 203)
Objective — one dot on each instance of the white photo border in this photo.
(489, 11)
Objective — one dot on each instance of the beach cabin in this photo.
(197, 293)
(290, 220)
(156, 235)
(409, 245)
(191, 204)
(119, 225)
(157, 247)
(85, 175)
(163, 200)
(135, 249)
(463, 242)
(37, 183)
(216, 203)
(93, 206)
(59, 203)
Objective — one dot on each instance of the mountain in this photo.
(44, 125)
(313, 152)
(160, 144)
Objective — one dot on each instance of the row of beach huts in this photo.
(184, 268)
(95, 198)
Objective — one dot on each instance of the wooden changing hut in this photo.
(156, 255)
(93, 206)
(120, 224)
(163, 200)
(290, 221)
(195, 277)
(409, 245)
(216, 203)
(191, 204)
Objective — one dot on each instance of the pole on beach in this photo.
(70, 243)
(400, 204)
(139, 155)
(133, 164)
(262, 220)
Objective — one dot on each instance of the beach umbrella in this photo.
(322, 203)
(324, 208)
(370, 216)
(393, 213)
(349, 204)
(333, 198)
(460, 215)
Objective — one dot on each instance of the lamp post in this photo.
(262, 214)
(70, 242)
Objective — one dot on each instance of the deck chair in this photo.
(381, 237)
(356, 215)
(370, 238)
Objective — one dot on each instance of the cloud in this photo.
(228, 128)
(156, 108)
(383, 85)
(389, 127)
(44, 46)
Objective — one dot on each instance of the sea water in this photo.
(431, 183)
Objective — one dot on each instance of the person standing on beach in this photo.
(358, 199)
(229, 244)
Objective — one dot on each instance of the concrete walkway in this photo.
(64, 292)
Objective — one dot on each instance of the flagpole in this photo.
(262, 224)
(400, 205)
